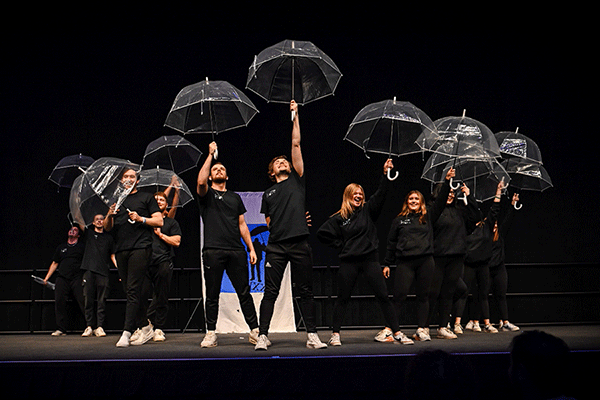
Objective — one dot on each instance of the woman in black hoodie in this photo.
(353, 233)
(449, 248)
(410, 247)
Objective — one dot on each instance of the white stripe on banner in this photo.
(230, 318)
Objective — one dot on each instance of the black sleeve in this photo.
(330, 235)
(376, 201)
(436, 207)
(392, 241)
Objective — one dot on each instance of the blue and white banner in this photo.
(230, 318)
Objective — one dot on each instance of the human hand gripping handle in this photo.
(387, 167)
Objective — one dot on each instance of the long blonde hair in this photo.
(422, 210)
(347, 209)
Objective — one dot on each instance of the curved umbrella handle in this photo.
(452, 185)
(517, 207)
(216, 154)
(464, 199)
(389, 176)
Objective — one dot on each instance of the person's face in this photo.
(129, 178)
(413, 202)
(98, 221)
(281, 165)
(73, 232)
(218, 173)
(357, 198)
(450, 197)
(162, 202)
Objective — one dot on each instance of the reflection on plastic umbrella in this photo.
(68, 168)
(517, 145)
(164, 180)
(293, 70)
(527, 175)
(210, 107)
(391, 127)
(461, 137)
(101, 186)
(39, 280)
(171, 152)
(479, 172)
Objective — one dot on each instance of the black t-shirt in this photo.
(98, 248)
(220, 213)
(137, 235)
(284, 203)
(161, 251)
(69, 257)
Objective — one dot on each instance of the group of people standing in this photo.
(441, 246)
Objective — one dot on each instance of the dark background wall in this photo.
(101, 83)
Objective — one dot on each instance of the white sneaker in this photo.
(422, 335)
(445, 333)
(508, 327)
(469, 326)
(58, 333)
(253, 336)
(135, 336)
(334, 340)
(313, 342)
(99, 332)
(146, 334)
(402, 338)
(458, 329)
(88, 332)
(124, 339)
(159, 336)
(210, 340)
(489, 328)
(385, 335)
(262, 343)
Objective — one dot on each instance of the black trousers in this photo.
(95, 290)
(480, 275)
(66, 288)
(158, 288)
(235, 263)
(347, 276)
(133, 271)
(417, 270)
(299, 255)
(446, 274)
(499, 284)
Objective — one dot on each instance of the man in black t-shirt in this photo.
(165, 240)
(222, 213)
(133, 222)
(98, 256)
(283, 205)
(66, 261)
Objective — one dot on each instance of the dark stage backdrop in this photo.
(101, 84)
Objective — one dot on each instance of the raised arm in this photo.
(202, 184)
(297, 160)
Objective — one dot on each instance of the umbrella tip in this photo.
(464, 112)
(517, 130)
(207, 80)
(394, 99)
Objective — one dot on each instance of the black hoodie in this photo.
(479, 242)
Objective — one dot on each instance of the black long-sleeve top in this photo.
(408, 237)
(356, 236)
(450, 231)
(480, 241)
(498, 254)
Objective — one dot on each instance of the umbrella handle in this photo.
(452, 185)
(389, 176)
(518, 207)
(293, 115)
(216, 154)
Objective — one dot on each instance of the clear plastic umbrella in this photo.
(515, 144)
(527, 175)
(210, 107)
(94, 191)
(164, 180)
(68, 168)
(392, 127)
(293, 70)
(171, 152)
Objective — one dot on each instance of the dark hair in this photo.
(271, 177)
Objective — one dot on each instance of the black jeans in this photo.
(299, 255)
(446, 273)
(64, 289)
(235, 263)
(481, 306)
(95, 290)
(420, 271)
(159, 283)
(133, 271)
(346, 277)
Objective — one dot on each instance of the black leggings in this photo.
(481, 275)
(499, 283)
(420, 271)
(346, 277)
(446, 274)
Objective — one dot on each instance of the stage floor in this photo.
(64, 366)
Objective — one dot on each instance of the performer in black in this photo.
(222, 213)
(283, 205)
(99, 254)
(134, 222)
(352, 231)
(67, 261)
(165, 240)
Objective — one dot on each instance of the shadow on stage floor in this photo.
(41, 366)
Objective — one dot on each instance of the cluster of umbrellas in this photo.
(300, 71)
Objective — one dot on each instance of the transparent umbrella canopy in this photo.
(68, 168)
(163, 180)
(173, 153)
(517, 145)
